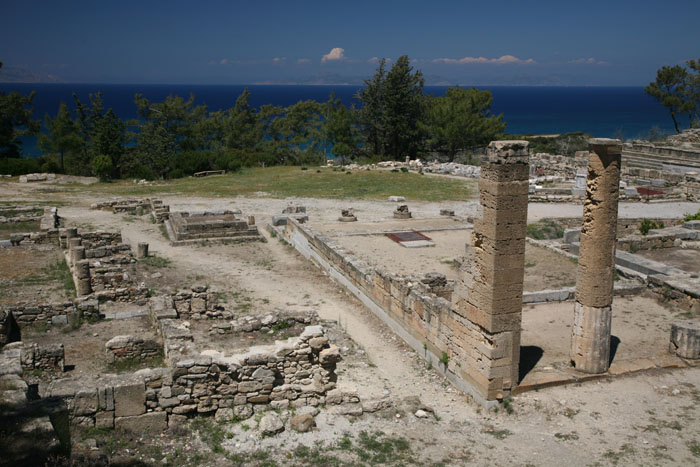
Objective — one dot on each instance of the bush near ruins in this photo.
(647, 224)
(546, 229)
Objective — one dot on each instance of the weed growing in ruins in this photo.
(646, 225)
(156, 261)
(694, 447)
(129, 365)
(210, 432)
(545, 229)
(616, 456)
(56, 272)
(498, 434)
(692, 217)
(444, 358)
(508, 406)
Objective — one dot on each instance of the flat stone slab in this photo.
(397, 199)
(678, 232)
(417, 244)
(129, 399)
(152, 422)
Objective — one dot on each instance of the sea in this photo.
(621, 112)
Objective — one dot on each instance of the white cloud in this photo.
(587, 61)
(278, 60)
(336, 53)
(502, 60)
(303, 61)
(223, 61)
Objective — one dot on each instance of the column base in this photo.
(590, 338)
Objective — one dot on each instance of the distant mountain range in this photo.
(9, 74)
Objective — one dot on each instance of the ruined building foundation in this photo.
(590, 340)
(494, 280)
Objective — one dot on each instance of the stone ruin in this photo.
(211, 226)
(402, 212)
(298, 213)
(134, 206)
(347, 215)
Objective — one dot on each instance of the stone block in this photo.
(153, 422)
(104, 420)
(85, 402)
(129, 399)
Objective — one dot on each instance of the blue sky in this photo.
(235, 42)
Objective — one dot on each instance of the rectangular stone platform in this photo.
(210, 226)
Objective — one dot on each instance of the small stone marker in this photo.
(402, 212)
(397, 199)
(347, 215)
(685, 339)
(142, 250)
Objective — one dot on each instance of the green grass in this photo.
(284, 181)
(545, 229)
(56, 272)
(155, 261)
(17, 227)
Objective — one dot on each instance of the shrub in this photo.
(19, 165)
(647, 224)
(692, 217)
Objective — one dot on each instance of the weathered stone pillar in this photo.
(82, 276)
(590, 342)
(494, 283)
(77, 254)
(142, 250)
(251, 220)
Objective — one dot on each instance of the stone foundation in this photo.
(192, 227)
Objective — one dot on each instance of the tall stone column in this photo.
(590, 341)
(494, 281)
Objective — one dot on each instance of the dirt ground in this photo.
(644, 419)
(31, 273)
(544, 269)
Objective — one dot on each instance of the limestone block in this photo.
(85, 402)
(104, 420)
(105, 398)
(685, 339)
(129, 399)
(152, 422)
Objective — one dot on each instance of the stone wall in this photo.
(52, 313)
(296, 372)
(133, 348)
(50, 357)
(198, 303)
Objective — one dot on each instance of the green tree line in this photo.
(177, 137)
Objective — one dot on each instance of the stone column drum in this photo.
(590, 341)
(83, 285)
(494, 286)
(142, 250)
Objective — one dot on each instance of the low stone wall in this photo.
(29, 238)
(682, 290)
(133, 348)
(427, 322)
(199, 303)
(268, 322)
(50, 357)
(634, 243)
(296, 372)
(52, 313)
